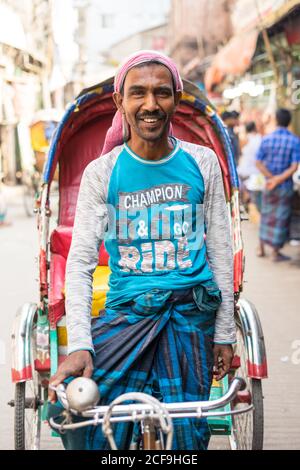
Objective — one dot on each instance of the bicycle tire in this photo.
(28, 407)
(27, 419)
(20, 416)
(248, 428)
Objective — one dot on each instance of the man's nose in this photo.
(150, 103)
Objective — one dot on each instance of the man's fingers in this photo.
(88, 372)
(216, 359)
(54, 382)
(222, 367)
(222, 371)
(52, 396)
(57, 379)
(51, 393)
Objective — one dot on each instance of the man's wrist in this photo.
(91, 351)
(281, 179)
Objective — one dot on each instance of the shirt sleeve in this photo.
(296, 151)
(88, 232)
(219, 251)
(260, 155)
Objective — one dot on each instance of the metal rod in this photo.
(140, 411)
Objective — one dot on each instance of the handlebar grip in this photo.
(242, 381)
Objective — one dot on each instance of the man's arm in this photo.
(276, 180)
(263, 169)
(218, 239)
(220, 258)
(260, 156)
(89, 227)
(219, 250)
(88, 232)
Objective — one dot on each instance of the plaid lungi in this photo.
(275, 216)
(160, 344)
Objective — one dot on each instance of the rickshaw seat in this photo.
(60, 242)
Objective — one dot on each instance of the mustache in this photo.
(155, 115)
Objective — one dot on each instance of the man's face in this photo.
(230, 122)
(148, 101)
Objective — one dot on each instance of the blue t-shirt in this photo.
(157, 239)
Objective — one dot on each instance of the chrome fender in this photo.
(22, 361)
(248, 317)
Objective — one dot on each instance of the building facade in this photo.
(265, 72)
(155, 38)
(24, 57)
(197, 28)
(103, 24)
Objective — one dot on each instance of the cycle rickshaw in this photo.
(39, 337)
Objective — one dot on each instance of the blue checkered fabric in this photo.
(275, 219)
(278, 151)
(167, 353)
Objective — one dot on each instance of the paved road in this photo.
(274, 289)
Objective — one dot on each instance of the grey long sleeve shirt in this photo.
(91, 222)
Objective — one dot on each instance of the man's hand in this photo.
(273, 182)
(223, 355)
(77, 364)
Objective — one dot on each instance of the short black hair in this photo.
(283, 117)
(250, 127)
(145, 64)
(235, 114)
(226, 115)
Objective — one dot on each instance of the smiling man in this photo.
(158, 203)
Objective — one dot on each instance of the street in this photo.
(273, 288)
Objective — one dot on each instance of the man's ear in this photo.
(177, 97)
(118, 100)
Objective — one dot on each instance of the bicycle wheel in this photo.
(28, 407)
(247, 428)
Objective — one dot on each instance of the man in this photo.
(161, 332)
(251, 178)
(231, 120)
(277, 159)
(3, 206)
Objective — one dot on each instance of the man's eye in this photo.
(164, 93)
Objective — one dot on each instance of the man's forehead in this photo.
(147, 73)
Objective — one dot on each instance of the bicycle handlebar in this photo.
(150, 408)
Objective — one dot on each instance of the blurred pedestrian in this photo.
(252, 181)
(277, 159)
(3, 207)
(231, 120)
